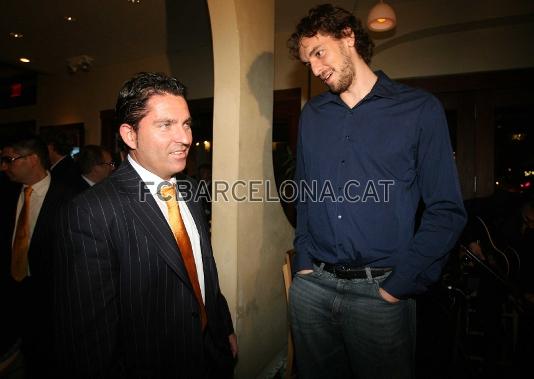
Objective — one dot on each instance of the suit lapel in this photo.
(147, 214)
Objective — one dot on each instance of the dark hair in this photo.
(32, 145)
(90, 156)
(134, 94)
(333, 21)
(57, 138)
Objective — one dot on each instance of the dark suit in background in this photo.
(66, 171)
(80, 184)
(126, 308)
(27, 305)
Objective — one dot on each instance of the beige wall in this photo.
(249, 237)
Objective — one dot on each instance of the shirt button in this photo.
(339, 217)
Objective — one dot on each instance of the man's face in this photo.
(21, 169)
(104, 169)
(329, 59)
(163, 137)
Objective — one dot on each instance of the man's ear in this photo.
(128, 135)
(348, 34)
(34, 159)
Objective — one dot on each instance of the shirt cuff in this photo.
(302, 261)
(401, 287)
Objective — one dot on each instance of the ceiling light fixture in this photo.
(16, 35)
(69, 18)
(24, 60)
(381, 18)
(134, 1)
(80, 63)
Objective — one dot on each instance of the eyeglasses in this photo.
(9, 160)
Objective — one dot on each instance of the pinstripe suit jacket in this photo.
(125, 306)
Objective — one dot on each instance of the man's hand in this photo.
(387, 297)
(304, 272)
(232, 339)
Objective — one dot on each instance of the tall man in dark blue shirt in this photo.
(369, 150)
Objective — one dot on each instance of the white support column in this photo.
(249, 238)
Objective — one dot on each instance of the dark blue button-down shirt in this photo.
(366, 169)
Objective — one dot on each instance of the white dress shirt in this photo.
(152, 181)
(88, 181)
(38, 194)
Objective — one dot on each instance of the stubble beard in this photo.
(346, 78)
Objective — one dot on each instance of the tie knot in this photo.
(168, 192)
(27, 191)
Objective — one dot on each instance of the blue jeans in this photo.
(344, 329)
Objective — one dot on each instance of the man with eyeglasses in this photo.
(26, 241)
(95, 165)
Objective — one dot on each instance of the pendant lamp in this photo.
(381, 18)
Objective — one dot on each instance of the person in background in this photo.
(95, 164)
(62, 166)
(137, 288)
(27, 239)
(380, 147)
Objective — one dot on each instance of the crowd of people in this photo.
(38, 177)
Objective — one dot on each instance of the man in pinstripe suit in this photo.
(126, 307)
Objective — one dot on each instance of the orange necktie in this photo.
(184, 244)
(21, 244)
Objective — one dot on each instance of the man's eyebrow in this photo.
(166, 120)
(189, 120)
(314, 50)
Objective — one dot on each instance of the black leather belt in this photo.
(342, 271)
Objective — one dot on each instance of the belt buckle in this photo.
(342, 272)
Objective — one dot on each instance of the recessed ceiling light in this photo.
(70, 18)
(134, 1)
(24, 60)
(16, 35)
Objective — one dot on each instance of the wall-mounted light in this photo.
(381, 18)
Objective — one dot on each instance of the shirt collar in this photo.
(59, 160)
(151, 180)
(41, 187)
(88, 181)
(384, 87)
